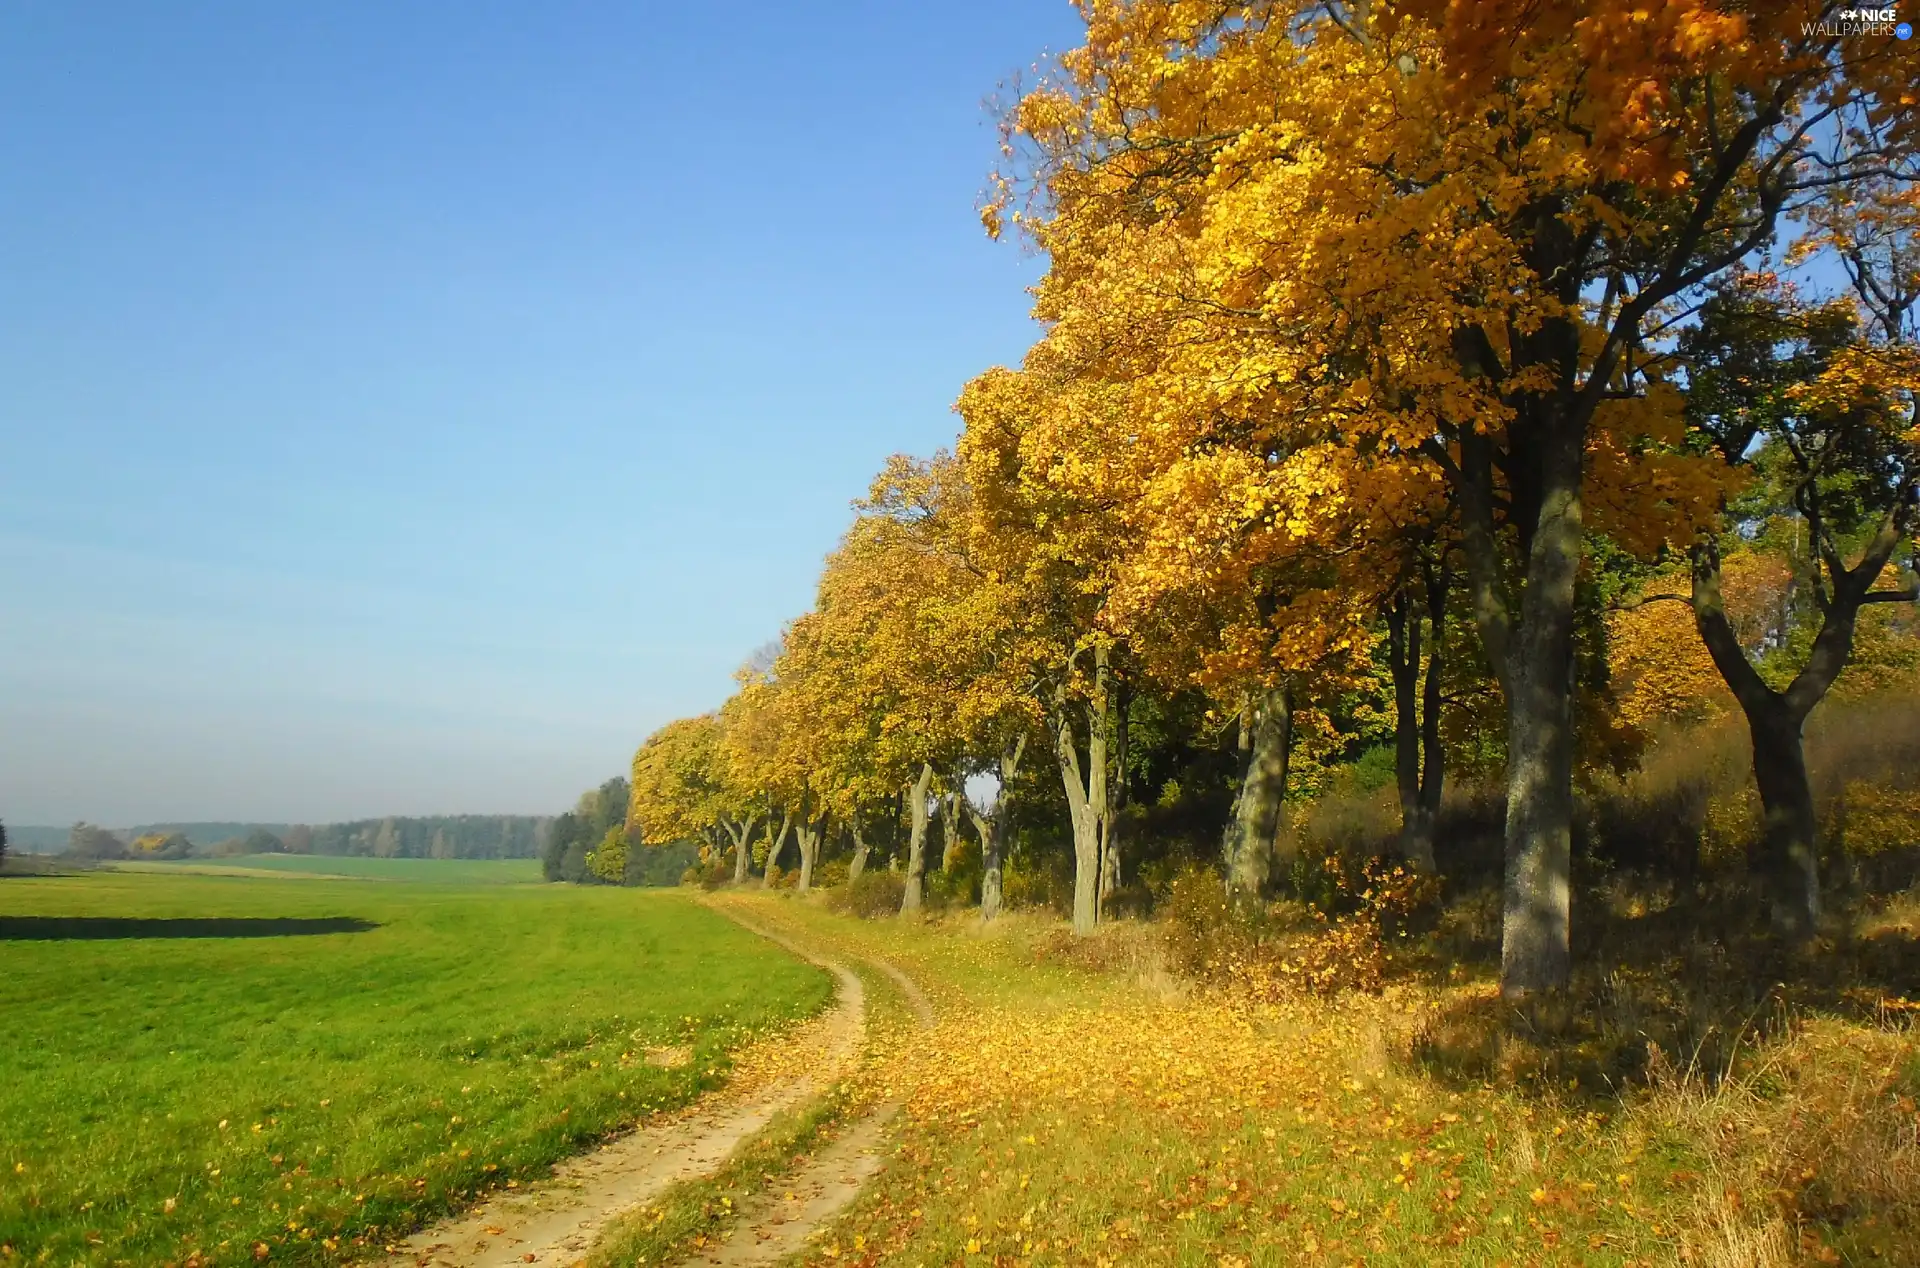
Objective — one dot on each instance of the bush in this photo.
(1046, 888)
(1282, 947)
(709, 873)
(1133, 899)
(1205, 933)
(831, 873)
(876, 892)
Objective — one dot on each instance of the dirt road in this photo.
(558, 1221)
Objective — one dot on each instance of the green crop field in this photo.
(244, 1066)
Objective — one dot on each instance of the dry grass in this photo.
(1814, 1144)
(1066, 1111)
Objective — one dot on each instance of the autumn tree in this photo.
(750, 755)
(1821, 414)
(1050, 535)
(1456, 236)
(903, 669)
(608, 859)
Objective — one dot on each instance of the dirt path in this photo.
(776, 1224)
(558, 1221)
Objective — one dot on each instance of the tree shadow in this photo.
(94, 928)
(1686, 982)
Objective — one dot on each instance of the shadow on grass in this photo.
(1674, 984)
(93, 928)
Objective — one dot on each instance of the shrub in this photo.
(831, 873)
(1349, 824)
(1133, 899)
(709, 874)
(1048, 887)
(1283, 947)
(1351, 953)
(1206, 934)
(874, 893)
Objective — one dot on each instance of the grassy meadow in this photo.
(223, 1068)
(1077, 1103)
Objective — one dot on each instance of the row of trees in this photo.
(1389, 351)
(425, 837)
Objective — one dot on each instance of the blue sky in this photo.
(404, 409)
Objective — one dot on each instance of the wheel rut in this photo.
(558, 1221)
(777, 1224)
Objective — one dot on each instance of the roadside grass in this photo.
(1074, 1105)
(303, 1099)
(430, 871)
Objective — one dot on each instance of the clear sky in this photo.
(406, 408)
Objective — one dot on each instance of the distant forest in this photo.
(435, 837)
(394, 837)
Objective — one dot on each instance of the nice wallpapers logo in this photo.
(1862, 22)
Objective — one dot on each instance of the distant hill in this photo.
(396, 837)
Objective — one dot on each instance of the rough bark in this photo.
(1419, 760)
(775, 844)
(742, 855)
(810, 833)
(1086, 788)
(1533, 659)
(993, 832)
(914, 896)
(1249, 847)
(950, 840)
(1110, 836)
(1789, 850)
(1535, 946)
(860, 847)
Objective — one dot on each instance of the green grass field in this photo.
(430, 871)
(167, 1095)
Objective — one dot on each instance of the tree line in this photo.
(1399, 366)
(417, 837)
(592, 844)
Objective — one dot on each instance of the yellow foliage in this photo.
(1879, 818)
(1659, 667)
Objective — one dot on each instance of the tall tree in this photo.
(1823, 416)
(1457, 236)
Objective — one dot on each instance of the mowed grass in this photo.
(430, 871)
(303, 1098)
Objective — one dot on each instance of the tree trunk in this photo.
(950, 840)
(993, 832)
(775, 844)
(914, 896)
(1110, 872)
(810, 834)
(742, 855)
(1086, 831)
(1789, 857)
(859, 863)
(1535, 943)
(1086, 791)
(1249, 846)
(1419, 762)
